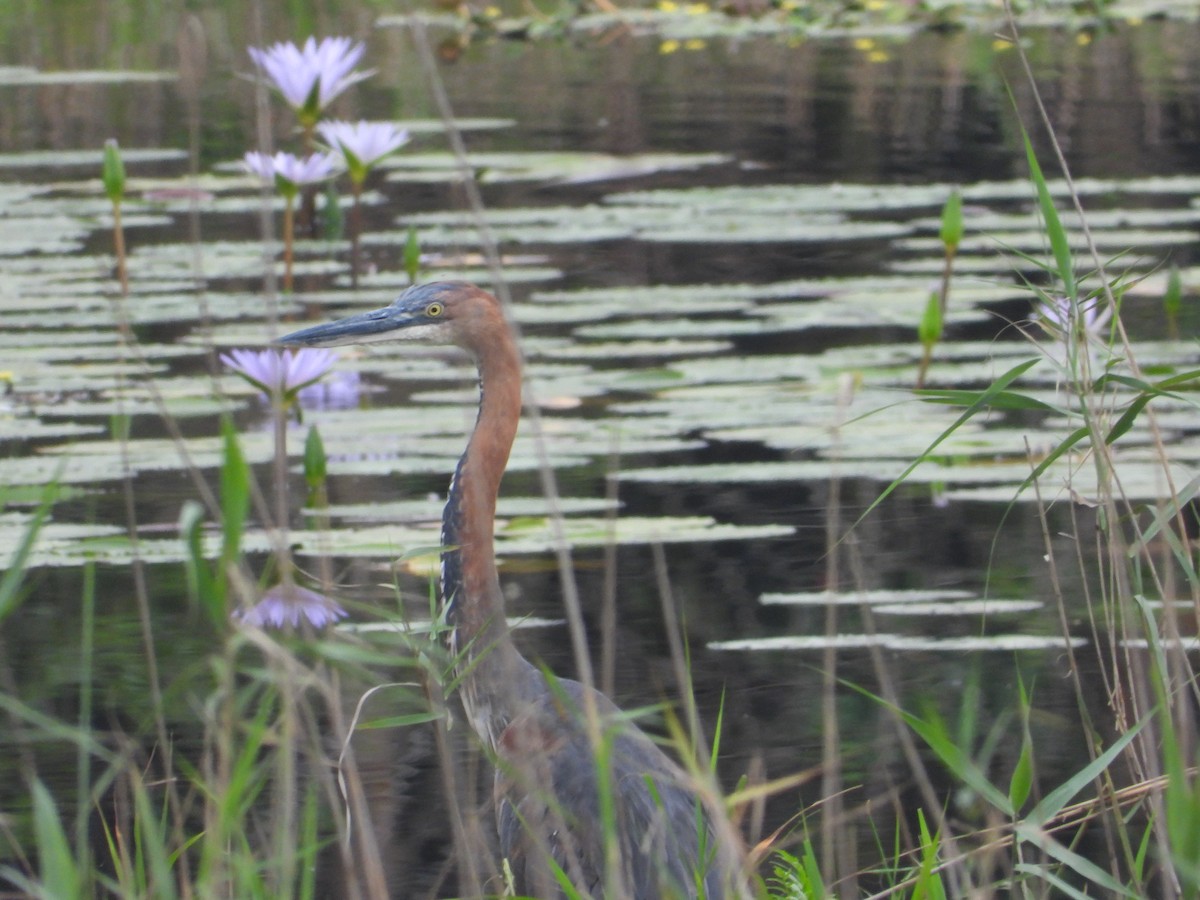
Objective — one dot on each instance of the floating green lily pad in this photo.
(25, 428)
(93, 157)
(859, 598)
(632, 349)
(1008, 643)
(429, 509)
(658, 223)
(561, 167)
(398, 281)
(978, 607)
(526, 536)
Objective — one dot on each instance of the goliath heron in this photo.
(552, 804)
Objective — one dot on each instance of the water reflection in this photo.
(341, 389)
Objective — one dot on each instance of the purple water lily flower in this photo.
(363, 144)
(288, 171)
(1056, 317)
(281, 373)
(310, 77)
(290, 604)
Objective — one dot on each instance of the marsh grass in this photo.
(1137, 797)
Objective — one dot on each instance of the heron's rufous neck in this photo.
(470, 583)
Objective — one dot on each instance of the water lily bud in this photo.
(412, 255)
(952, 222)
(314, 458)
(1173, 298)
(929, 332)
(114, 171)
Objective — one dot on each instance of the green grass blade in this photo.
(928, 883)
(1052, 804)
(83, 761)
(1057, 235)
(154, 845)
(400, 721)
(1127, 418)
(50, 727)
(1173, 297)
(1044, 874)
(60, 875)
(205, 590)
(1067, 443)
(1021, 783)
(14, 573)
(1007, 400)
(235, 495)
(309, 845)
(1082, 866)
(934, 733)
(715, 750)
(982, 401)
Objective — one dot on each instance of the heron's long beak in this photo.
(363, 328)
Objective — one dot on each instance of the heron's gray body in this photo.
(595, 800)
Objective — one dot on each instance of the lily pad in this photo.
(978, 607)
(560, 167)
(859, 598)
(658, 223)
(526, 536)
(93, 157)
(1007, 643)
(429, 509)
(25, 429)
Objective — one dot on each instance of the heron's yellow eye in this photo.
(433, 310)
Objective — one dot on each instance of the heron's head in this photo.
(441, 312)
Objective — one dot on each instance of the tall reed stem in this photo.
(355, 234)
(119, 250)
(289, 235)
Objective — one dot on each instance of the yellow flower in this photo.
(492, 12)
(694, 44)
(1083, 39)
(668, 46)
(875, 5)
(697, 9)
(1135, 21)
(878, 56)
(667, 6)
(1001, 44)
(864, 44)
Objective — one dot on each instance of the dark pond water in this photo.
(771, 113)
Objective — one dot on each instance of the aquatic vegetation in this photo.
(311, 76)
(289, 173)
(362, 145)
(290, 604)
(281, 374)
(113, 176)
(1062, 320)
